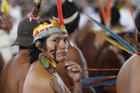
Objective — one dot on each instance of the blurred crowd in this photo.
(98, 53)
(20, 8)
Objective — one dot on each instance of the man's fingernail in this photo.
(68, 68)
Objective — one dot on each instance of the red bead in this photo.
(138, 52)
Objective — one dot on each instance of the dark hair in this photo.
(34, 53)
(72, 26)
(115, 17)
(68, 8)
(137, 22)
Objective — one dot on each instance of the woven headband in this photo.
(46, 29)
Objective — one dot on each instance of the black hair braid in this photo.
(34, 53)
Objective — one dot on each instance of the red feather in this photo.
(60, 13)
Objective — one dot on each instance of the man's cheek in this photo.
(53, 52)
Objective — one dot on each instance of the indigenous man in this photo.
(71, 20)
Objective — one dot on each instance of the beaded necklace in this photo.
(47, 61)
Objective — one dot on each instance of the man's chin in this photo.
(61, 59)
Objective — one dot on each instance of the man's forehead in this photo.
(59, 35)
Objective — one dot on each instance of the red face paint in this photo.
(53, 52)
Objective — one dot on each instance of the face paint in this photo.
(53, 52)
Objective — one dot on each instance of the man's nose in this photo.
(63, 44)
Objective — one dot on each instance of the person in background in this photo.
(15, 71)
(5, 27)
(128, 77)
(15, 10)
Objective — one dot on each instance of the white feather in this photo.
(70, 0)
(65, 0)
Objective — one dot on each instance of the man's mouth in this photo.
(61, 54)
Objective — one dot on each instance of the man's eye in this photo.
(55, 40)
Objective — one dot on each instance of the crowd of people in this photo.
(42, 51)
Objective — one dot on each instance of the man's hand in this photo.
(74, 71)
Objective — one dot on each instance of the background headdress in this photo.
(26, 27)
(4, 7)
(35, 12)
(47, 28)
(70, 14)
(60, 14)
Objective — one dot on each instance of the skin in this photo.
(4, 75)
(39, 80)
(15, 72)
(6, 22)
(6, 25)
(1, 62)
(128, 77)
(1, 66)
(74, 54)
(85, 37)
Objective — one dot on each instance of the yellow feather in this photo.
(62, 27)
(5, 7)
(37, 2)
(122, 4)
(53, 22)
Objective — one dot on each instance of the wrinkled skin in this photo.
(129, 78)
(15, 72)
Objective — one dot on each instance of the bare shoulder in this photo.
(128, 64)
(134, 77)
(73, 49)
(37, 80)
(4, 74)
(75, 54)
(129, 76)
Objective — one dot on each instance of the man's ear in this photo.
(38, 45)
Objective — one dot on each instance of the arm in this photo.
(77, 87)
(75, 73)
(75, 54)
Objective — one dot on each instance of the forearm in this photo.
(77, 87)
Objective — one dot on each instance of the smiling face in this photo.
(57, 46)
